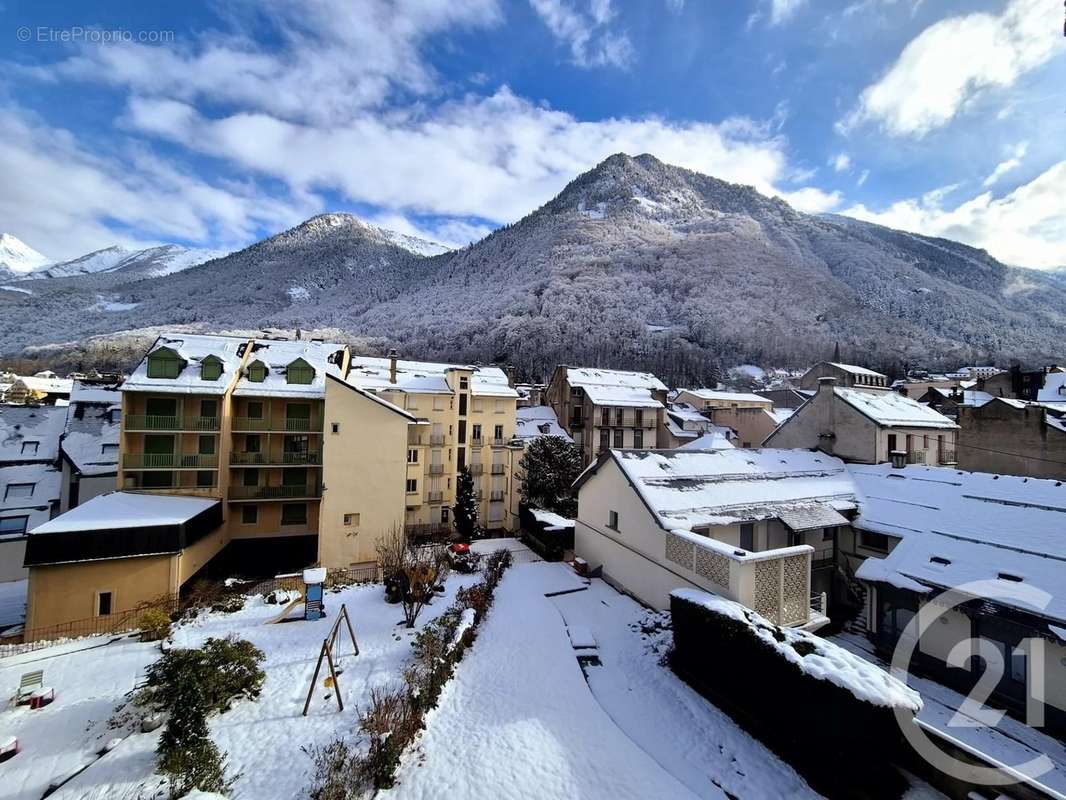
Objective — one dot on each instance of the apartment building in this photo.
(847, 376)
(607, 408)
(751, 416)
(295, 452)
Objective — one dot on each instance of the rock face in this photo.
(634, 263)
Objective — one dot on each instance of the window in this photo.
(619, 438)
(464, 384)
(747, 536)
(109, 449)
(412, 485)
(497, 432)
(13, 526)
(891, 442)
(638, 437)
(208, 409)
(500, 407)
(205, 479)
(249, 514)
(873, 541)
(605, 416)
(412, 402)
(255, 409)
(605, 438)
(619, 416)
(412, 456)
(299, 371)
(256, 372)
(638, 417)
(298, 411)
(444, 514)
(210, 369)
(478, 404)
(438, 403)
(164, 363)
(476, 434)
(829, 534)
(334, 427)
(19, 491)
(612, 520)
(161, 407)
(253, 443)
(103, 603)
(30, 448)
(294, 513)
(207, 445)
(251, 477)
(351, 520)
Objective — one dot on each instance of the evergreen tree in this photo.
(465, 510)
(549, 467)
(186, 753)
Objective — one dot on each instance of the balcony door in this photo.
(160, 410)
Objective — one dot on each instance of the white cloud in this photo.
(784, 10)
(1002, 168)
(811, 200)
(1025, 227)
(841, 162)
(590, 41)
(66, 201)
(862, 177)
(951, 63)
(507, 154)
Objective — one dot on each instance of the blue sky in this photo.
(214, 124)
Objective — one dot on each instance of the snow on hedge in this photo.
(826, 661)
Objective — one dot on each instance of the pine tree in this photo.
(549, 467)
(465, 510)
(186, 752)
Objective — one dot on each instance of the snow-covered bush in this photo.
(495, 565)
(154, 624)
(826, 711)
(186, 754)
(217, 672)
(389, 724)
(335, 772)
(549, 467)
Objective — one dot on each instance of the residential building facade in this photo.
(847, 376)
(1013, 437)
(605, 408)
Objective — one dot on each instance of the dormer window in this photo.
(164, 363)
(299, 371)
(256, 372)
(211, 368)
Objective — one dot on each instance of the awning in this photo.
(811, 515)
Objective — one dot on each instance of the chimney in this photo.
(392, 365)
(509, 372)
(827, 383)
(898, 458)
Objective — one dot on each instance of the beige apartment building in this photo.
(608, 408)
(294, 451)
(867, 427)
(751, 416)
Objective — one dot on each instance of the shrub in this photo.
(476, 597)
(229, 604)
(434, 662)
(219, 671)
(336, 772)
(187, 755)
(154, 624)
(389, 725)
(495, 565)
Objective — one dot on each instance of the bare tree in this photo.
(413, 572)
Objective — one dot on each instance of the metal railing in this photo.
(434, 497)
(946, 455)
(284, 425)
(425, 530)
(498, 441)
(477, 469)
(119, 622)
(916, 457)
(273, 492)
(477, 441)
(497, 469)
(152, 422)
(436, 438)
(496, 495)
(435, 469)
(169, 461)
(285, 458)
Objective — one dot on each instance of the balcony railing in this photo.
(273, 492)
(427, 530)
(773, 583)
(496, 495)
(436, 438)
(946, 455)
(916, 457)
(477, 469)
(169, 461)
(434, 497)
(286, 458)
(498, 441)
(435, 469)
(152, 422)
(497, 469)
(283, 425)
(477, 441)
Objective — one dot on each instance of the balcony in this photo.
(416, 438)
(916, 457)
(169, 461)
(436, 438)
(284, 425)
(496, 496)
(434, 497)
(497, 469)
(302, 458)
(498, 441)
(273, 492)
(435, 469)
(773, 583)
(152, 422)
(477, 469)
(477, 441)
(427, 530)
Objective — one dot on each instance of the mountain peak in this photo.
(349, 225)
(18, 257)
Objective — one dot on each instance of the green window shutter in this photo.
(299, 371)
(257, 372)
(210, 369)
(163, 364)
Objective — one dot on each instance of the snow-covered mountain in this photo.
(149, 263)
(635, 263)
(17, 257)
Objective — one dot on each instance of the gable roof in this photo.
(854, 370)
(372, 397)
(91, 436)
(426, 377)
(278, 355)
(22, 424)
(615, 387)
(712, 394)
(892, 409)
(192, 349)
(47, 482)
(535, 421)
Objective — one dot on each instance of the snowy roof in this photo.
(686, 413)
(193, 349)
(277, 355)
(1054, 389)
(552, 521)
(425, 377)
(781, 414)
(92, 435)
(893, 410)
(95, 393)
(613, 387)
(968, 397)
(127, 510)
(687, 488)
(716, 439)
(374, 398)
(734, 397)
(46, 481)
(854, 370)
(24, 425)
(538, 421)
(47, 385)
(981, 524)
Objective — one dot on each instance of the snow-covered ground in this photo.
(263, 739)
